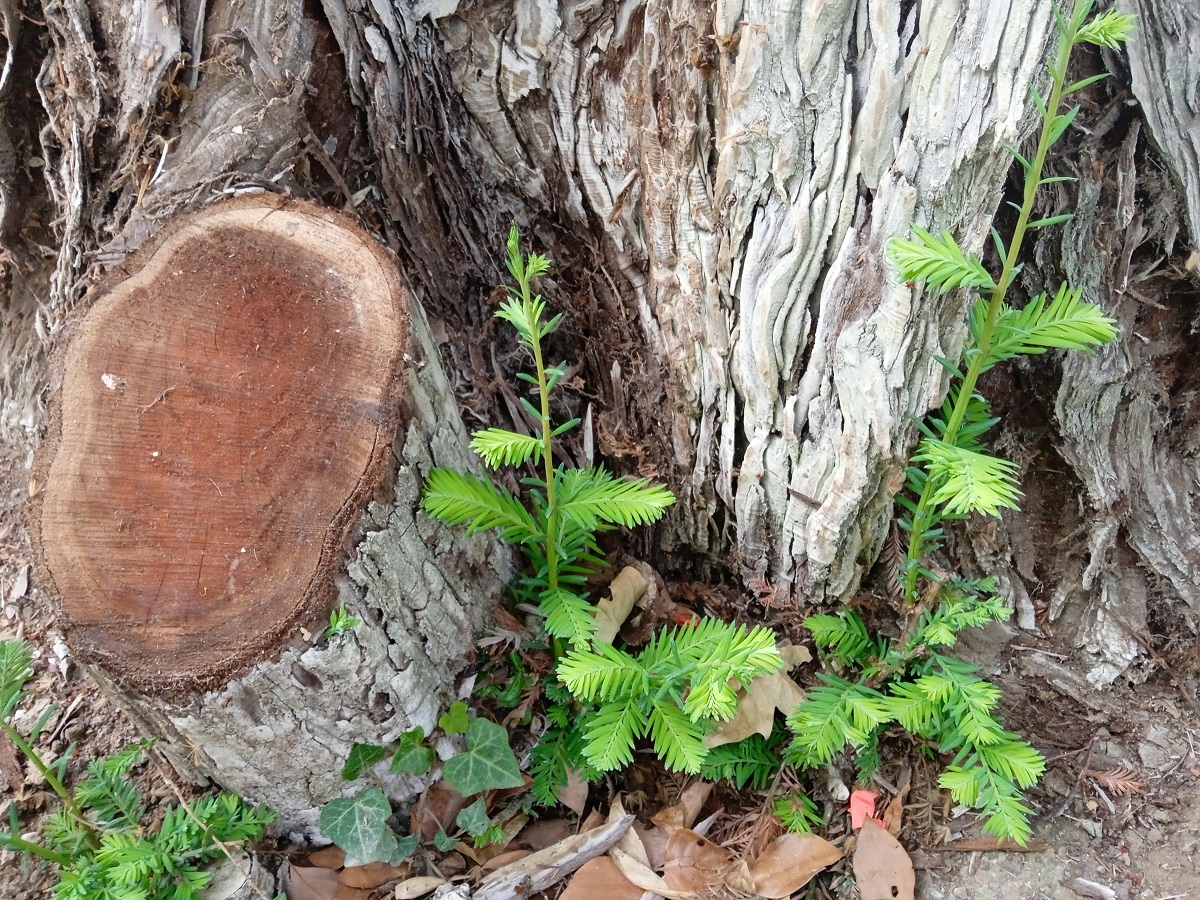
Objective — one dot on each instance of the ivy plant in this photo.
(102, 843)
(360, 824)
(912, 681)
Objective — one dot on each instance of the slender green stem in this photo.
(52, 779)
(15, 842)
(547, 443)
(977, 356)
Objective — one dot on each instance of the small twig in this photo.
(159, 399)
(221, 845)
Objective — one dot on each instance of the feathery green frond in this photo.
(605, 673)
(677, 739)
(458, 498)
(838, 713)
(506, 448)
(591, 496)
(610, 735)
(937, 261)
(751, 762)
(1109, 29)
(969, 481)
(844, 634)
(16, 668)
(568, 616)
(1066, 323)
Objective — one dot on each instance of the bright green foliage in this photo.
(359, 826)
(797, 812)
(938, 261)
(670, 691)
(474, 821)
(455, 720)
(362, 756)
(98, 841)
(560, 748)
(676, 686)
(566, 506)
(340, 622)
(487, 764)
(908, 681)
(412, 757)
(751, 762)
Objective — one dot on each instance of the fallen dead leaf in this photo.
(372, 875)
(790, 862)
(418, 887)
(600, 879)
(594, 820)
(655, 841)
(882, 868)
(575, 795)
(644, 877)
(544, 832)
(794, 655)
(893, 816)
(345, 892)
(612, 611)
(683, 813)
(437, 808)
(305, 883)
(757, 705)
(694, 863)
(629, 842)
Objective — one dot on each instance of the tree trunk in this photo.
(715, 185)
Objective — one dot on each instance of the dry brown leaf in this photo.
(794, 655)
(756, 709)
(683, 813)
(437, 808)
(1119, 781)
(790, 862)
(305, 883)
(418, 887)
(575, 795)
(331, 857)
(345, 892)
(882, 868)
(893, 816)
(694, 863)
(600, 879)
(594, 820)
(612, 611)
(655, 841)
(544, 832)
(629, 842)
(644, 877)
(372, 875)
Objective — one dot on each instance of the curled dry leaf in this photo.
(371, 875)
(644, 877)
(882, 868)
(612, 611)
(331, 857)
(683, 813)
(601, 879)
(304, 883)
(789, 863)
(756, 709)
(629, 842)
(418, 887)
(694, 863)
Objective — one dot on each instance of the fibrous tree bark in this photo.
(716, 184)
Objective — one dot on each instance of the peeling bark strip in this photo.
(227, 408)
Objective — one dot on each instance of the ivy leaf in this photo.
(359, 826)
(487, 764)
(362, 756)
(455, 721)
(443, 841)
(474, 819)
(412, 757)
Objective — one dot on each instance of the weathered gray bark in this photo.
(715, 185)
